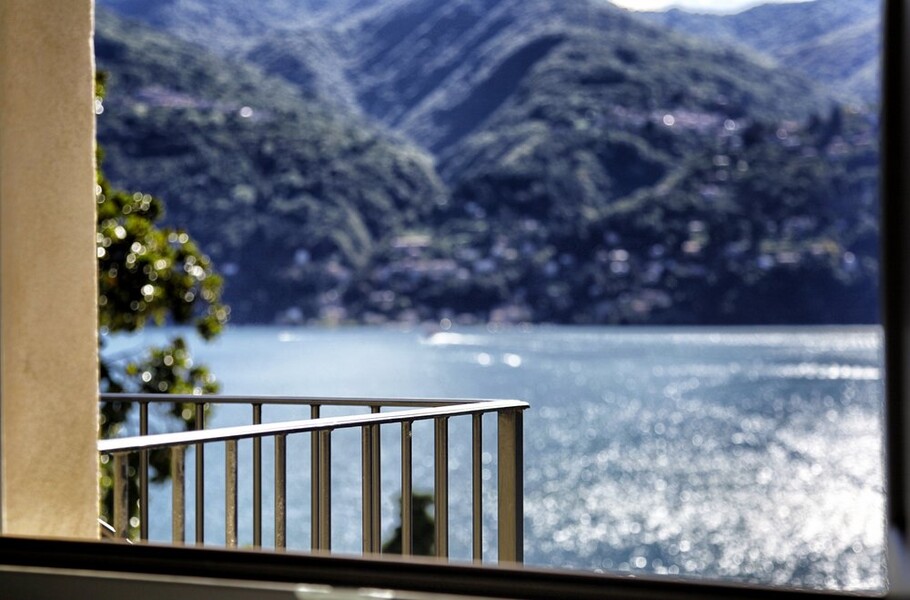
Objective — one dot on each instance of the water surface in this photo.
(745, 454)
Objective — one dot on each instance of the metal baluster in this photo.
(143, 474)
(511, 487)
(407, 493)
(121, 495)
(376, 490)
(200, 477)
(477, 487)
(325, 490)
(280, 491)
(178, 494)
(257, 479)
(314, 482)
(441, 485)
(230, 493)
(366, 489)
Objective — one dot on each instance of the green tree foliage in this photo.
(149, 274)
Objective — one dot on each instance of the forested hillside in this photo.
(439, 70)
(836, 42)
(532, 160)
(228, 25)
(284, 192)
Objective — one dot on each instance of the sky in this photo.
(714, 6)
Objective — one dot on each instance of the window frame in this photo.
(85, 565)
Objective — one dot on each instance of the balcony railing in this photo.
(319, 428)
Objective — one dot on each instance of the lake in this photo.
(747, 454)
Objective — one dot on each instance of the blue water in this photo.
(745, 454)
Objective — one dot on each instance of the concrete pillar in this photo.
(48, 310)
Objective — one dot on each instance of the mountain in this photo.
(436, 71)
(310, 60)
(426, 68)
(547, 118)
(283, 191)
(836, 42)
(225, 25)
(579, 165)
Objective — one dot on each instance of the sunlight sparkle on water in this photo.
(745, 454)
(512, 360)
